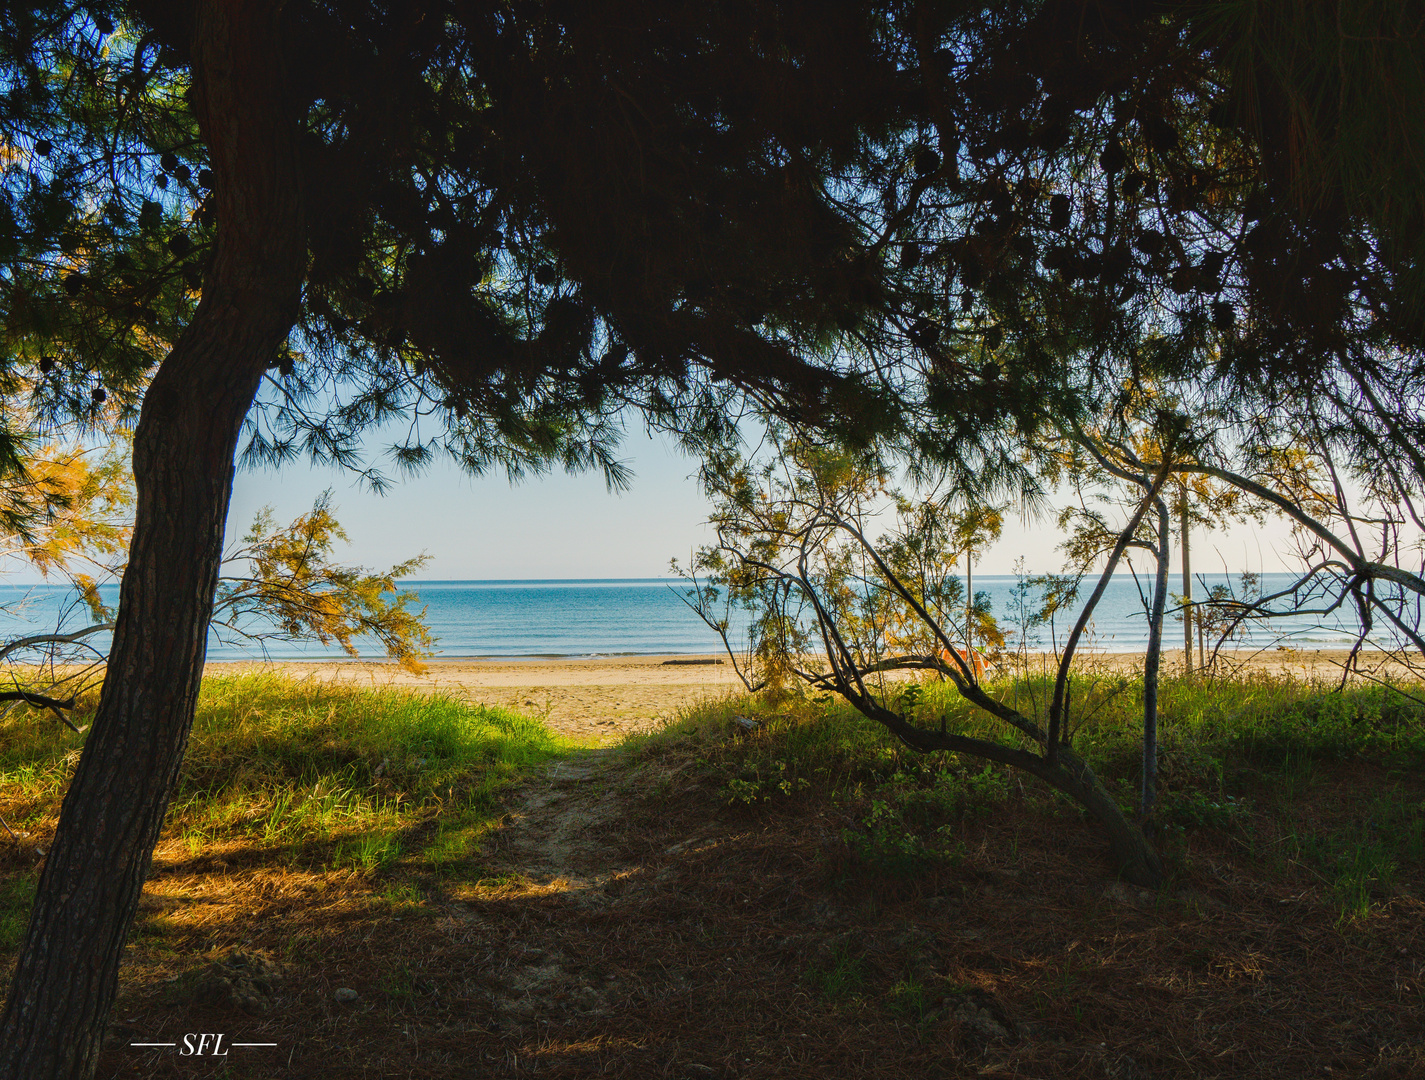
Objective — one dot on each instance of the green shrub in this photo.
(279, 761)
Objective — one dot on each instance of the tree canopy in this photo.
(486, 228)
(519, 218)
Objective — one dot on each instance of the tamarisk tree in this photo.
(66, 517)
(267, 227)
(796, 533)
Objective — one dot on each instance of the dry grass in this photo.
(636, 914)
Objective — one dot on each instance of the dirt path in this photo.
(567, 830)
(578, 868)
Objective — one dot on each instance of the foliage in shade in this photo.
(96, 289)
(500, 241)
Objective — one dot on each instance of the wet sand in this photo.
(602, 698)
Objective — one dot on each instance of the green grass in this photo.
(909, 999)
(1208, 730)
(1250, 720)
(841, 978)
(1362, 854)
(345, 778)
(340, 776)
(16, 896)
(1245, 756)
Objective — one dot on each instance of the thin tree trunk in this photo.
(969, 605)
(1151, 664)
(1187, 584)
(1061, 682)
(67, 971)
(1137, 860)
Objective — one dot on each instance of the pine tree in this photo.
(268, 227)
(520, 219)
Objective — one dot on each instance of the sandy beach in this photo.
(602, 698)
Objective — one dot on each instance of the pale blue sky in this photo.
(555, 526)
(562, 526)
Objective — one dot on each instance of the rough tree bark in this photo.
(67, 972)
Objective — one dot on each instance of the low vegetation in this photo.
(301, 775)
(1248, 757)
(768, 886)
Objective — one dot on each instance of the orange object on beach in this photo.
(973, 660)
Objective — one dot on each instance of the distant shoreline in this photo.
(538, 620)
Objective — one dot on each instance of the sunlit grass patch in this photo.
(1280, 726)
(333, 774)
(1267, 720)
(369, 852)
(397, 897)
(314, 767)
(421, 745)
(454, 841)
(300, 803)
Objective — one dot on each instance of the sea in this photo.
(560, 618)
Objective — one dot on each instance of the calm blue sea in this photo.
(560, 618)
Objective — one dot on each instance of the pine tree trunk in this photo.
(67, 972)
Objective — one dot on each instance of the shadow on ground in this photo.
(626, 921)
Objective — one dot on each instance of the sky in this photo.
(562, 526)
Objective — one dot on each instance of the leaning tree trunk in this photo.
(67, 971)
(1133, 852)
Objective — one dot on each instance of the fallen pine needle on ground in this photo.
(385, 882)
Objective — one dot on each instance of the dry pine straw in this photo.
(659, 957)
